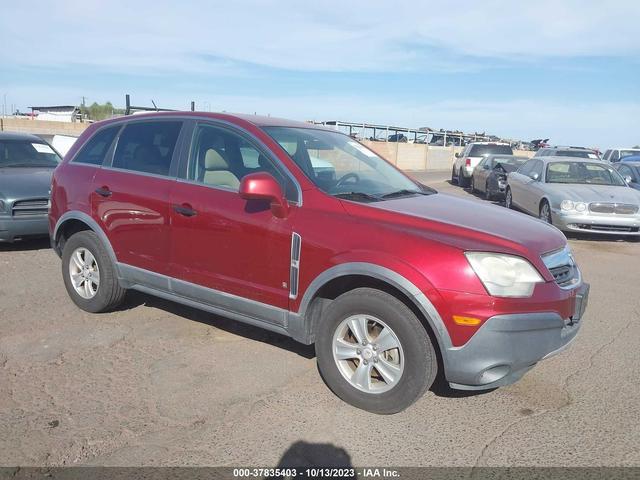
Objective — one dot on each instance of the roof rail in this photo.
(129, 109)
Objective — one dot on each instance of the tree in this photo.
(96, 111)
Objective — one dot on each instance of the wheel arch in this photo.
(73, 222)
(346, 277)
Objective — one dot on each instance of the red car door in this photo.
(130, 199)
(219, 240)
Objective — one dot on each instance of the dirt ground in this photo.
(155, 383)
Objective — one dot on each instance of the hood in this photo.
(16, 183)
(593, 193)
(491, 221)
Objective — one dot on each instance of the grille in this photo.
(27, 208)
(617, 208)
(607, 228)
(562, 266)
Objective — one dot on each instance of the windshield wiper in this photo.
(357, 196)
(403, 193)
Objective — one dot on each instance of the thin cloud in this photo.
(323, 36)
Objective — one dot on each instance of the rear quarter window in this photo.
(95, 149)
(481, 150)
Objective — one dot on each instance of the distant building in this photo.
(57, 113)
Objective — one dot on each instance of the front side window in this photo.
(147, 147)
(25, 153)
(342, 167)
(583, 173)
(221, 158)
(94, 151)
(537, 168)
(526, 168)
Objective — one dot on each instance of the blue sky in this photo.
(567, 70)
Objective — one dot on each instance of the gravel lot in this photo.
(156, 383)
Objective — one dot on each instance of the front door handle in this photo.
(104, 191)
(185, 210)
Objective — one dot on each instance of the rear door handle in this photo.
(185, 210)
(104, 191)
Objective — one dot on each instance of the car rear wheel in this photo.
(89, 274)
(463, 182)
(545, 212)
(374, 353)
(453, 176)
(508, 199)
(487, 192)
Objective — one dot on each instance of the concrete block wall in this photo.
(42, 127)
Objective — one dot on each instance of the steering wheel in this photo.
(342, 180)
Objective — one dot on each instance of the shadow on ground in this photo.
(135, 299)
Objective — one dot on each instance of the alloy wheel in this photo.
(84, 273)
(368, 354)
(545, 212)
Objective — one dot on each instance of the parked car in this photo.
(469, 158)
(166, 203)
(574, 152)
(630, 172)
(576, 194)
(630, 158)
(617, 154)
(490, 176)
(26, 165)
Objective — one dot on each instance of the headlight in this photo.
(571, 206)
(504, 275)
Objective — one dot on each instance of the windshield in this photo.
(583, 173)
(577, 154)
(24, 153)
(481, 150)
(342, 167)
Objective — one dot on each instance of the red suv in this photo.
(304, 231)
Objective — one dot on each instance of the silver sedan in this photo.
(579, 195)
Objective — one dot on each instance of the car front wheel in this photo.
(374, 353)
(545, 212)
(508, 199)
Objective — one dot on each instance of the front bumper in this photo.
(14, 228)
(508, 346)
(594, 223)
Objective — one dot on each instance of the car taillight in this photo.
(468, 162)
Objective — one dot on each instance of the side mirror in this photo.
(262, 186)
(486, 167)
(627, 179)
(534, 176)
(457, 155)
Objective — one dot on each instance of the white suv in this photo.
(467, 160)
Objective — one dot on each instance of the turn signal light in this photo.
(467, 321)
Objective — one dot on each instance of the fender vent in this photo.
(294, 273)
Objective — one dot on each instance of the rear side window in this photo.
(147, 147)
(480, 150)
(96, 148)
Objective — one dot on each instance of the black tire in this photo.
(109, 293)
(487, 193)
(420, 360)
(508, 198)
(454, 180)
(544, 213)
(463, 182)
